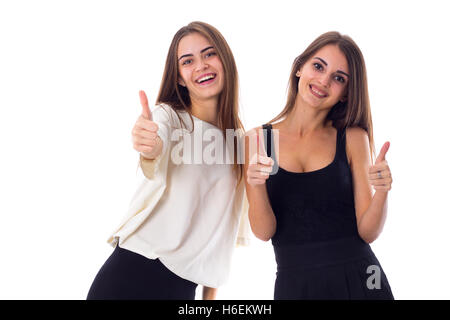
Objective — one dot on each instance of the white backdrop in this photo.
(70, 72)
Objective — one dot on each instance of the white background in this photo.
(70, 72)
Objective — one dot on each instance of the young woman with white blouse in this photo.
(182, 224)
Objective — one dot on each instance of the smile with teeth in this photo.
(206, 77)
(317, 92)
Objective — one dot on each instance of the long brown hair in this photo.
(177, 96)
(355, 111)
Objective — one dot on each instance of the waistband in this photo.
(322, 253)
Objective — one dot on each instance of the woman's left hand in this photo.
(379, 174)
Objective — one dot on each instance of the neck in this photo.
(305, 119)
(205, 110)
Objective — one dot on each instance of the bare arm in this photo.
(371, 209)
(256, 171)
(209, 293)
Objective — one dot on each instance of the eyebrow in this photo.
(191, 55)
(325, 63)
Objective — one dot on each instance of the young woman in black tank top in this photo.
(309, 185)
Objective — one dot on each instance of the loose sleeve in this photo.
(244, 232)
(152, 181)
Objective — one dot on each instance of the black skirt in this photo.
(130, 276)
(340, 269)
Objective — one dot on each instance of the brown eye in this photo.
(318, 66)
(186, 62)
(340, 79)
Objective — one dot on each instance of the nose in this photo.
(325, 80)
(201, 65)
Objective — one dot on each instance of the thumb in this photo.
(261, 144)
(146, 113)
(383, 151)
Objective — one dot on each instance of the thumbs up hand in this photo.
(380, 174)
(145, 108)
(145, 132)
(260, 165)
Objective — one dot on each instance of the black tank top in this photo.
(312, 206)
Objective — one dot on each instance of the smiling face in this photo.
(199, 66)
(323, 78)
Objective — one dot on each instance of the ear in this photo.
(298, 73)
(181, 82)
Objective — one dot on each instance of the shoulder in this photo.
(163, 109)
(251, 139)
(163, 112)
(273, 126)
(253, 131)
(357, 144)
(356, 135)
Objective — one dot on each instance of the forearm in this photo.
(371, 223)
(257, 169)
(209, 293)
(260, 214)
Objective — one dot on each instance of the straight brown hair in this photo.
(177, 96)
(355, 111)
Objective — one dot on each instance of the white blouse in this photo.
(187, 215)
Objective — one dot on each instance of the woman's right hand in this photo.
(257, 169)
(145, 132)
(260, 165)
